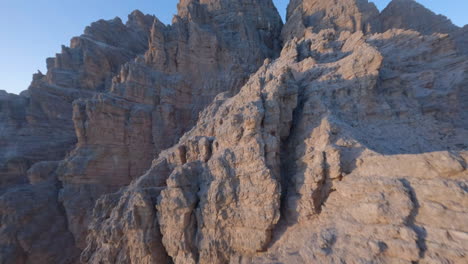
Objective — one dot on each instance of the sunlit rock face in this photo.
(227, 137)
(342, 15)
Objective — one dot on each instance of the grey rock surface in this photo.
(343, 15)
(37, 125)
(409, 14)
(154, 99)
(226, 137)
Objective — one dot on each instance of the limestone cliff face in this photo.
(211, 47)
(343, 15)
(228, 138)
(37, 125)
(321, 134)
(410, 14)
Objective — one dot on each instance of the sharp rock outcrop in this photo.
(343, 15)
(37, 125)
(211, 47)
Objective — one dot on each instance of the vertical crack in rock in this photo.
(411, 220)
(285, 163)
(325, 185)
(61, 207)
(177, 219)
(288, 168)
(127, 141)
(286, 101)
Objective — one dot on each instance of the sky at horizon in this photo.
(34, 30)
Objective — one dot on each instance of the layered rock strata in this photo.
(211, 47)
(37, 125)
(319, 154)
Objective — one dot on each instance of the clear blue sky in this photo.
(32, 30)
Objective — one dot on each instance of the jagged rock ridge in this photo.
(228, 138)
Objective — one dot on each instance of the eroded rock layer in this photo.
(228, 138)
(37, 125)
(211, 47)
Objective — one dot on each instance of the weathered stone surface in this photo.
(385, 215)
(409, 14)
(129, 234)
(33, 227)
(227, 203)
(359, 170)
(348, 15)
(202, 142)
(157, 97)
(220, 191)
(37, 125)
(338, 202)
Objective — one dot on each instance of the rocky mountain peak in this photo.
(137, 19)
(341, 15)
(227, 137)
(193, 8)
(409, 14)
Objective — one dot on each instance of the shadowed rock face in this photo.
(211, 47)
(228, 138)
(461, 38)
(409, 14)
(37, 125)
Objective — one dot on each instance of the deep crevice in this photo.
(287, 164)
(287, 147)
(63, 212)
(411, 219)
(325, 187)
